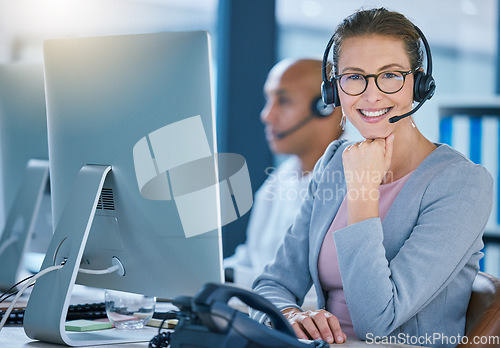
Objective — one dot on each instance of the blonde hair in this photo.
(382, 22)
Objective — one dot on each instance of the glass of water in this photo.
(127, 310)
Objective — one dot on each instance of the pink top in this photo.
(328, 265)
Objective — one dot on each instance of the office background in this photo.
(249, 36)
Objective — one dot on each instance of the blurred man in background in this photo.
(297, 123)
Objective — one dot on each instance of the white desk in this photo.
(14, 337)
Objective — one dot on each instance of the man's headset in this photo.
(318, 109)
(423, 87)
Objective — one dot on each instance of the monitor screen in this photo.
(141, 107)
(23, 138)
(23, 124)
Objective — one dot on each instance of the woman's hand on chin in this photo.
(366, 164)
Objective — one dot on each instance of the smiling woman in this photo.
(398, 250)
(369, 108)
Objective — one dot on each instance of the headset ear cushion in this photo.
(329, 92)
(417, 85)
(320, 109)
(335, 92)
(326, 92)
(423, 86)
(429, 86)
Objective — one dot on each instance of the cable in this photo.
(32, 279)
(108, 270)
(100, 271)
(6, 293)
(23, 289)
(7, 243)
(162, 340)
(14, 293)
(82, 270)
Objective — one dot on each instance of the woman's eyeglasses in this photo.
(387, 81)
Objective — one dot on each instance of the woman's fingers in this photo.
(295, 318)
(312, 327)
(367, 162)
(334, 325)
(299, 332)
(389, 145)
(317, 325)
(324, 325)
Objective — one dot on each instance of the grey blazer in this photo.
(409, 276)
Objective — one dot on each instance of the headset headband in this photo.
(423, 88)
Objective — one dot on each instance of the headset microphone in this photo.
(318, 110)
(395, 119)
(294, 128)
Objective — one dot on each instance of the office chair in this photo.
(483, 314)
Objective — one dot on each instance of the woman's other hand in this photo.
(366, 166)
(316, 325)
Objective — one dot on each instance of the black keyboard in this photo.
(87, 311)
(80, 311)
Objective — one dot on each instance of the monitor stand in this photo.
(45, 314)
(21, 220)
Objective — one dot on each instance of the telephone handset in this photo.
(209, 321)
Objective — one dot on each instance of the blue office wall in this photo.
(246, 51)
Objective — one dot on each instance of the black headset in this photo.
(423, 87)
(318, 110)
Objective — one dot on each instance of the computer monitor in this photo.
(126, 116)
(25, 200)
